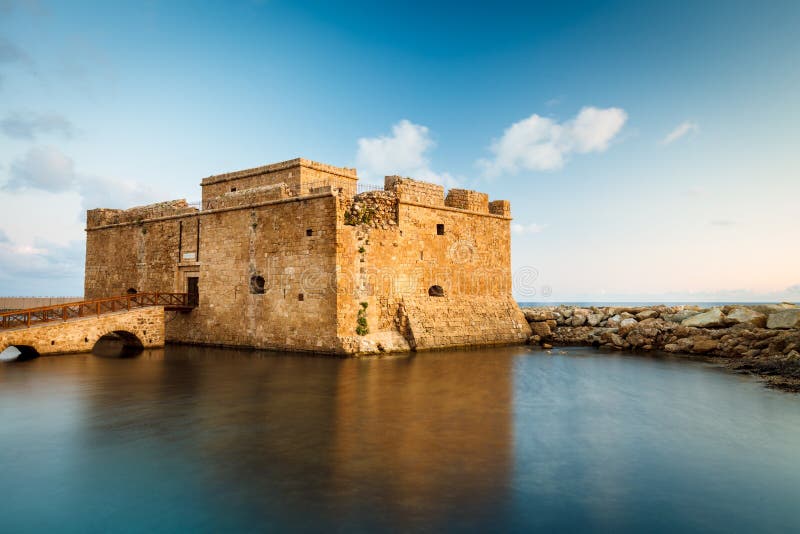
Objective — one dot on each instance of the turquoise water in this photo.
(212, 440)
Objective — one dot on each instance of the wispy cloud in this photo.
(722, 222)
(542, 144)
(403, 152)
(680, 130)
(11, 53)
(47, 169)
(43, 168)
(42, 268)
(27, 125)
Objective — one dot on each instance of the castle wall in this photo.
(391, 261)
(299, 175)
(297, 308)
(400, 269)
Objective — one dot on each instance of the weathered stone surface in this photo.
(767, 309)
(740, 315)
(579, 319)
(593, 319)
(541, 329)
(537, 314)
(626, 325)
(710, 319)
(646, 314)
(703, 345)
(322, 252)
(80, 335)
(784, 319)
(680, 316)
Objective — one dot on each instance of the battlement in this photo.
(410, 190)
(106, 216)
(299, 175)
(467, 200)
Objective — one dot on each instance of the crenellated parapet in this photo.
(467, 200)
(105, 216)
(410, 190)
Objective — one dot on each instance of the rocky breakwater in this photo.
(763, 339)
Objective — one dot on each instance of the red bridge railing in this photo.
(87, 308)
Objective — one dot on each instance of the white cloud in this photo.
(680, 130)
(42, 168)
(47, 169)
(41, 269)
(404, 153)
(532, 228)
(21, 125)
(541, 144)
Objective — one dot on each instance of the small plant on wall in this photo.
(362, 328)
(354, 218)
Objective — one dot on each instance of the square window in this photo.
(309, 232)
(233, 189)
(439, 229)
(301, 297)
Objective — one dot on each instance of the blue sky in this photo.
(649, 149)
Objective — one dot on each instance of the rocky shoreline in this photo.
(761, 339)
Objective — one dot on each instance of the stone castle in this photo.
(290, 256)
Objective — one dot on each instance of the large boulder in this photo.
(711, 319)
(579, 319)
(703, 345)
(541, 329)
(784, 319)
(772, 308)
(741, 315)
(626, 325)
(646, 314)
(537, 314)
(594, 318)
(679, 316)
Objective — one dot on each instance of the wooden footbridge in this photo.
(137, 319)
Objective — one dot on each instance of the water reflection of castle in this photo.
(320, 440)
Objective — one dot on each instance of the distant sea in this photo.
(631, 304)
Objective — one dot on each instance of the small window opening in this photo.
(257, 285)
(439, 229)
(233, 189)
(309, 232)
(131, 291)
(300, 296)
(436, 291)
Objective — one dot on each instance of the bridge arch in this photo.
(118, 343)
(18, 353)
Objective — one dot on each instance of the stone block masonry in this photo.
(288, 257)
(80, 335)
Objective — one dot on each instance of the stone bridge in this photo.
(138, 327)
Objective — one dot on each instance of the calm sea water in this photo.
(209, 440)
